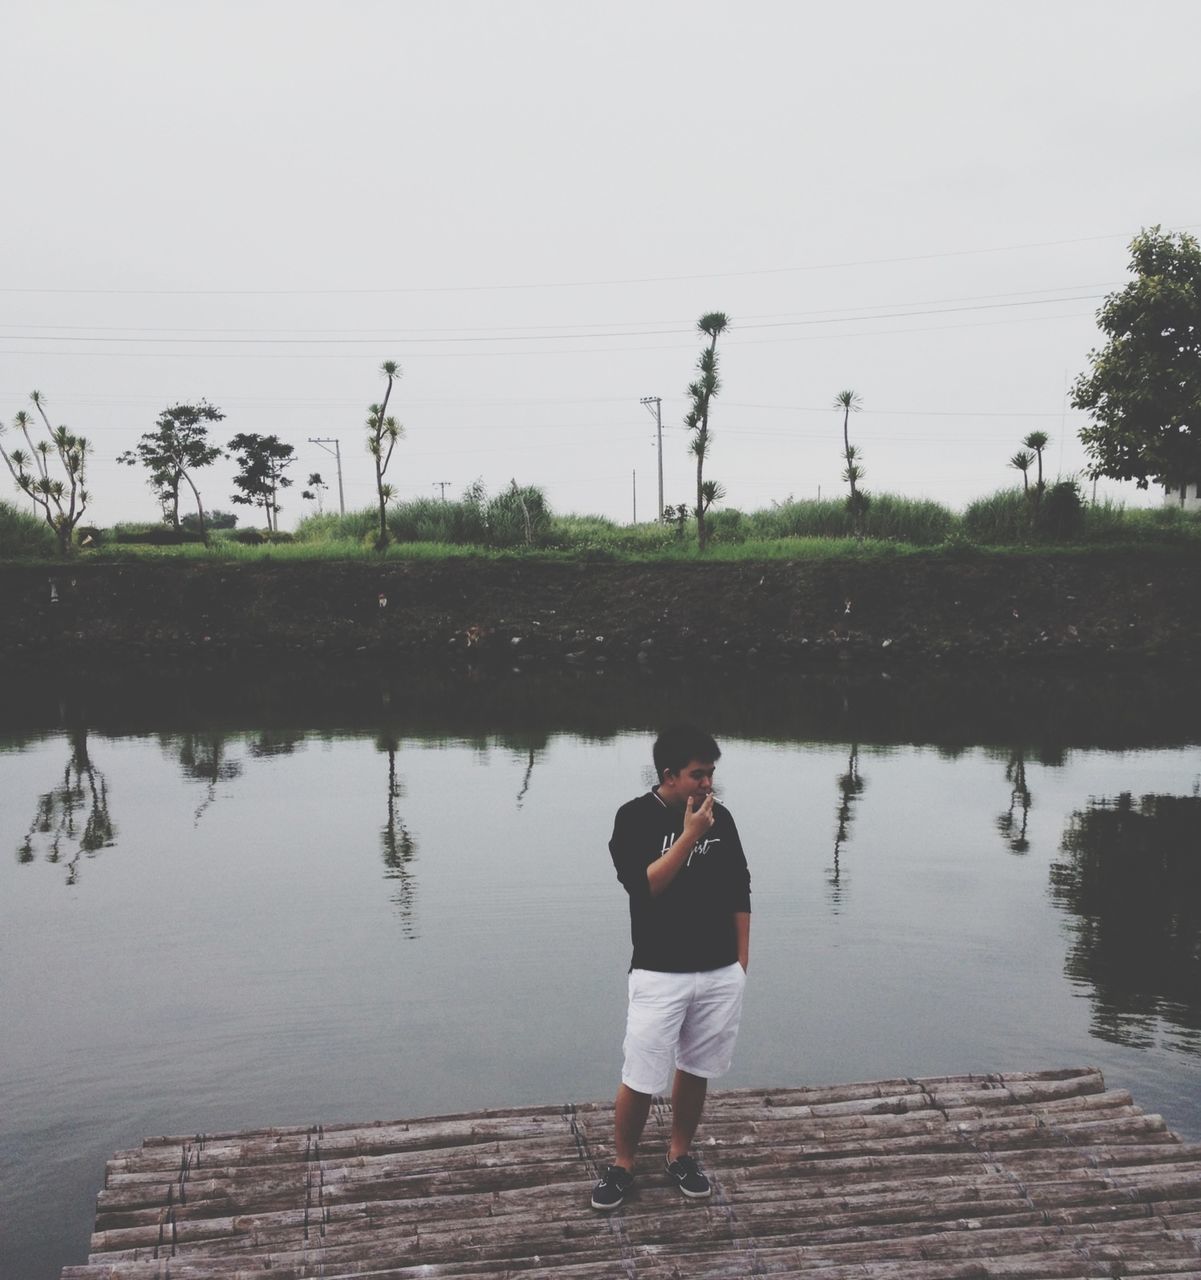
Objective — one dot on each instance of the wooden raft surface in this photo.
(1022, 1177)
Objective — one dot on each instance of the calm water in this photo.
(310, 900)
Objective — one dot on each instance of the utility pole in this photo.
(658, 412)
(443, 485)
(634, 483)
(325, 442)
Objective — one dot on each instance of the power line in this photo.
(577, 284)
(548, 337)
(649, 327)
(924, 413)
(500, 354)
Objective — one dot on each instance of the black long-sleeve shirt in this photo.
(689, 927)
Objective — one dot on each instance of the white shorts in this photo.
(689, 1020)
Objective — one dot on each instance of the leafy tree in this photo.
(382, 435)
(677, 516)
(62, 501)
(1022, 461)
(1144, 392)
(262, 461)
(314, 488)
(857, 500)
(701, 392)
(176, 448)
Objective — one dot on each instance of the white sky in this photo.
(529, 203)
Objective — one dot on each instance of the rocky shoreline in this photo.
(522, 612)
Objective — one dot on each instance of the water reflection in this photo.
(274, 742)
(203, 758)
(1132, 881)
(850, 789)
(71, 819)
(949, 709)
(399, 847)
(1013, 822)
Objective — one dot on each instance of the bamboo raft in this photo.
(1030, 1176)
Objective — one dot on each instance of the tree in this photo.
(382, 435)
(701, 392)
(1022, 461)
(314, 488)
(857, 500)
(1038, 441)
(62, 501)
(1144, 391)
(176, 448)
(262, 461)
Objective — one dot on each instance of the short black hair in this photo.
(680, 743)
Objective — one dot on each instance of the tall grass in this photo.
(1105, 522)
(1009, 518)
(24, 536)
(889, 518)
(1001, 519)
(516, 517)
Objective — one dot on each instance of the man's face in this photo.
(695, 779)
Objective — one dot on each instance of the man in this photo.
(677, 852)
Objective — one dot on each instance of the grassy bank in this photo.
(518, 523)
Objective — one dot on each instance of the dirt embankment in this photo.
(1089, 607)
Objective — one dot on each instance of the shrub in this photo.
(24, 535)
(213, 520)
(154, 535)
(1060, 515)
(262, 537)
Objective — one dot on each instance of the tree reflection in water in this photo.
(74, 811)
(202, 756)
(1012, 823)
(1132, 880)
(205, 756)
(529, 773)
(399, 847)
(850, 788)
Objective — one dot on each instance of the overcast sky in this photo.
(529, 203)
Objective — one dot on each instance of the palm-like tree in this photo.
(381, 429)
(1022, 461)
(1038, 441)
(62, 502)
(712, 324)
(850, 402)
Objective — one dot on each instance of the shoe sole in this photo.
(692, 1195)
(608, 1208)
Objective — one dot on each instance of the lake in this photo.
(318, 896)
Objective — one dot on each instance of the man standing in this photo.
(678, 855)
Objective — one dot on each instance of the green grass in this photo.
(24, 536)
(484, 528)
(228, 551)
